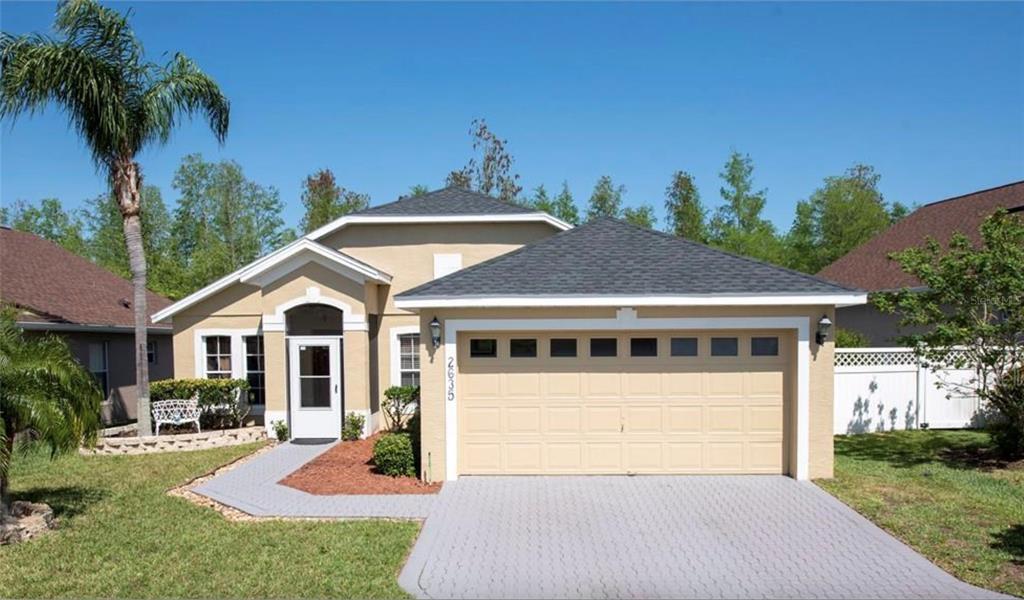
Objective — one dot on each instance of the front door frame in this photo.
(304, 423)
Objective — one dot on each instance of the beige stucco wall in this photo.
(432, 373)
(405, 251)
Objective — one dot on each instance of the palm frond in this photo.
(182, 88)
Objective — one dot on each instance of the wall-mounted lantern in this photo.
(824, 324)
(435, 332)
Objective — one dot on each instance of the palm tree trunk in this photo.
(8, 452)
(127, 183)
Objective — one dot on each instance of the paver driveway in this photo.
(660, 537)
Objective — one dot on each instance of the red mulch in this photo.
(348, 469)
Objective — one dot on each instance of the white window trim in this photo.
(626, 319)
(237, 354)
(396, 350)
(106, 366)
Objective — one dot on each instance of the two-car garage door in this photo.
(614, 402)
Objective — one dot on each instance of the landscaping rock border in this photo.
(185, 442)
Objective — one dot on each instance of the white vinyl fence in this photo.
(881, 389)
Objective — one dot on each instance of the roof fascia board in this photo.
(845, 299)
(351, 268)
(80, 328)
(534, 217)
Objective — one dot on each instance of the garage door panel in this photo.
(622, 415)
(523, 457)
(644, 419)
(603, 419)
(564, 420)
(725, 419)
(565, 456)
(522, 385)
(482, 420)
(521, 420)
(685, 419)
(604, 457)
(562, 385)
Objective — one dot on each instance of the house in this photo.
(539, 348)
(58, 292)
(868, 266)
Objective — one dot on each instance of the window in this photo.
(643, 346)
(151, 352)
(483, 348)
(604, 347)
(724, 346)
(764, 346)
(255, 370)
(522, 348)
(218, 356)
(98, 365)
(684, 346)
(409, 358)
(563, 347)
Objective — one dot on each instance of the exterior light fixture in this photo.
(435, 332)
(824, 324)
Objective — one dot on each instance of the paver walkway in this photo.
(252, 487)
(660, 537)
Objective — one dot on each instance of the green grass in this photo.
(122, 536)
(945, 495)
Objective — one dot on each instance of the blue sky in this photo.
(932, 95)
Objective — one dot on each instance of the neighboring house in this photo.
(55, 291)
(539, 348)
(868, 266)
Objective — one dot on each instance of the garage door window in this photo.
(764, 346)
(523, 348)
(724, 346)
(563, 348)
(483, 348)
(604, 347)
(645, 346)
(684, 346)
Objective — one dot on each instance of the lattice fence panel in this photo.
(881, 358)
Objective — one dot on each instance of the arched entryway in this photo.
(315, 387)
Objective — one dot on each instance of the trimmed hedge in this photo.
(392, 454)
(216, 398)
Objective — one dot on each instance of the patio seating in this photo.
(176, 412)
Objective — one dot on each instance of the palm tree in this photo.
(119, 105)
(45, 393)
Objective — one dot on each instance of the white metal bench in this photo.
(176, 412)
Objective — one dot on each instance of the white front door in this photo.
(314, 365)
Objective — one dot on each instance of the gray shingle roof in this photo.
(447, 201)
(607, 257)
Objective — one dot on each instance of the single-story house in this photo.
(56, 291)
(869, 267)
(539, 348)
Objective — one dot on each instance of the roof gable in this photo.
(868, 266)
(62, 287)
(610, 258)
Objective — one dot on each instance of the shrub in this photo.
(398, 400)
(280, 430)
(847, 338)
(392, 454)
(216, 398)
(352, 428)
(1007, 428)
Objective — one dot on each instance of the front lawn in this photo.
(945, 495)
(122, 536)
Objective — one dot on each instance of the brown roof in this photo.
(868, 266)
(61, 287)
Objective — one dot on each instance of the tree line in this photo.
(223, 220)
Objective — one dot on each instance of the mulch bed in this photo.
(347, 469)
